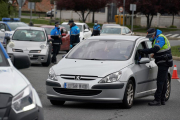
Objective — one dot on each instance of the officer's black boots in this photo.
(163, 103)
(154, 103)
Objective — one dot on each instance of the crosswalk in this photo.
(173, 35)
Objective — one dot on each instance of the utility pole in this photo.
(123, 11)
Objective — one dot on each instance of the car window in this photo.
(87, 27)
(2, 26)
(84, 27)
(111, 31)
(29, 35)
(138, 56)
(3, 60)
(66, 26)
(123, 31)
(103, 50)
(127, 30)
(7, 28)
(149, 44)
(80, 27)
(14, 25)
(48, 30)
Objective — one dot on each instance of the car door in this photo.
(2, 33)
(142, 72)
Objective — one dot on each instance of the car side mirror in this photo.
(2, 30)
(20, 60)
(144, 61)
(86, 30)
(63, 34)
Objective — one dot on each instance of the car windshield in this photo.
(68, 27)
(14, 25)
(3, 60)
(111, 31)
(102, 50)
(48, 30)
(29, 35)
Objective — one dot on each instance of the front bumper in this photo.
(110, 93)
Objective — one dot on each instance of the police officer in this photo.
(56, 35)
(161, 50)
(96, 29)
(74, 34)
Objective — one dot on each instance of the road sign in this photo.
(21, 2)
(133, 7)
(31, 5)
(120, 9)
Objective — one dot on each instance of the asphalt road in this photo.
(37, 75)
(174, 42)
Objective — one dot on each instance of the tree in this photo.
(3, 9)
(171, 7)
(147, 7)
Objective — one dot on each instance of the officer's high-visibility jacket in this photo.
(161, 49)
(56, 32)
(74, 35)
(96, 30)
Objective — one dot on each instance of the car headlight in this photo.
(42, 46)
(24, 101)
(52, 75)
(114, 77)
(11, 44)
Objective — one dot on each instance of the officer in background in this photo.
(74, 33)
(96, 29)
(161, 50)
(56, 35)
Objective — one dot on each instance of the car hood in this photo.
(88, 67)
(109, 34)
(27, 45)
(11, 81)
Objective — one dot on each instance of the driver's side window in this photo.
(138, 56)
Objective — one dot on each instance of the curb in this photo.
(176, 58)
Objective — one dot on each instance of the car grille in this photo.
(78, 92)
(80, 77)
(35, 57)
(17, 50)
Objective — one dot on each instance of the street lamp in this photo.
(123, 11)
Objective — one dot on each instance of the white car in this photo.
(85, 31)
(32, 41)
(116, 30)
(104, 69)
(18, 99)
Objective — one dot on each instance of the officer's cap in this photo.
(57, 23)
(70, 21)
(150, 32)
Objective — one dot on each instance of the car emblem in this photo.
(77, 77)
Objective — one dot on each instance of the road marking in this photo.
(174, 35)
(179, 80)
(178, 37)
(168, 35)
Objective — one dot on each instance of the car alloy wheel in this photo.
(129, 95)
(167, 95)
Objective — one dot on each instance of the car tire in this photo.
(48, 61)
(128, 95)
(57, 102)
(168, 92)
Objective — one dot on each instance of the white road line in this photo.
(179, 80)
(168, 35)
(174, 35)
(178, 37)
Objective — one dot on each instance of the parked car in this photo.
(18, 99)
(116, 30)
(32, 41)
(109, 25)
(7, 27)
(65, 37)
(48, 13)
(85, 31)
(104, 69)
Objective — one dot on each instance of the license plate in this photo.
(76, 85)
(30, 56)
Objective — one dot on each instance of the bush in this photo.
(172, 26)
(3, 10)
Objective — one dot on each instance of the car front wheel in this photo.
(168, 92)
(57, 102)
(129, 95)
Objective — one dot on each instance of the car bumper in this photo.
(98, 93)
(38, 58)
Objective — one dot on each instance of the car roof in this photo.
(111, 25)
(115, 27)
(50, 26)
(77, 23)
(115, 37)
(31, 28)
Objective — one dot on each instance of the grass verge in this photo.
(175, 50)
(144, 30)
(36, 21)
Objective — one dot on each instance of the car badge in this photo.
(77, 77)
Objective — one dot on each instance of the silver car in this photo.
(104, 69)
(32, 41)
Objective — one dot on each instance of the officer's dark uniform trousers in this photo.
(56, 49)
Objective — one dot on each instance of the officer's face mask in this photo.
(95, 23)
(151, 39)
(59, 26)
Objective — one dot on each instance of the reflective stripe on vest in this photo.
(166, 46)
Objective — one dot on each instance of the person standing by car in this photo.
(56, 35)
(74, 34)
(161, 50)
(96, 29)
